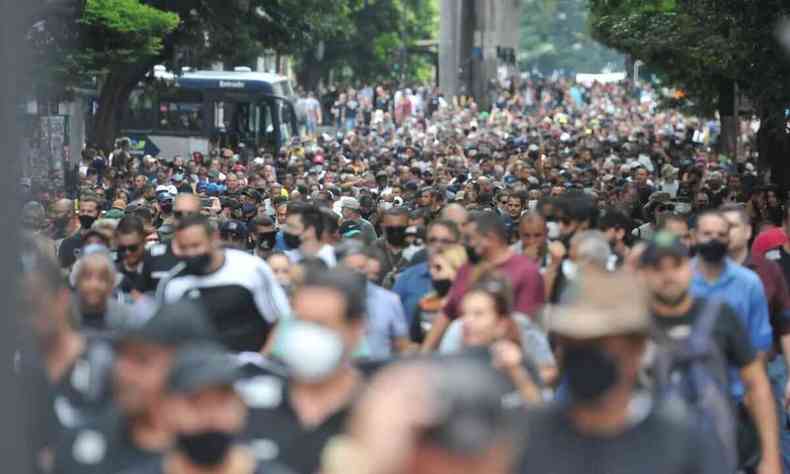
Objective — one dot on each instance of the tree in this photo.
(376, 43)
(709, 48)
(117, 42)
(555, 35)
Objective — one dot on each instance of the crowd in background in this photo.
(572, 280)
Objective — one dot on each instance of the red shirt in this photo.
(776, 293)
(524, 277)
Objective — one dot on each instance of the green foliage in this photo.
(554, 35)
(122, 31)
(378, 40)
(698, 45)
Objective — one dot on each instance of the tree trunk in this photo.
(774, 146)
(310, 73)
(728, 140)
(114, 96)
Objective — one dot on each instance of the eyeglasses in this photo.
(129, 248)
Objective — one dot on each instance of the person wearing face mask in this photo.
(606, 423)
(69, 248)
(264, 236)
(669, 275)
(132, 431)
(312, 404)
(391, 244)
(206, 416)
(443, 267)
(303, 233)
(488, 250)
(238, 290)
(130, 250)
(716, 276)
(351, 213)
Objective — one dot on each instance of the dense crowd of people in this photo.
(574, 280)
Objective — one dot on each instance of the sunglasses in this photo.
(129, 248)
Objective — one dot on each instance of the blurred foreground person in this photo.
(293, 423)
(206, 416)
(133, 432)
(607, 424)
(440, 416)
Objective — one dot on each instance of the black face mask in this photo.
(87, 221)
(713, 251)
(266, 240)
(590, 372)
(396, 236)
(197, 264)
(442, 287)
(472, 255)
(205, 449)
(166, 208)
(292, 241)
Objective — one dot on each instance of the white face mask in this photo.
(311, 352)
(553, 230)
(532, 204)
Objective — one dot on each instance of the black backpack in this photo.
(693, 370)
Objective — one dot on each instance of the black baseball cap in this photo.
(233, 227)
(202, 365)
(663, 244)
(172, 324)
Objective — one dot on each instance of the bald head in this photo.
(187, 203)
(455, 213)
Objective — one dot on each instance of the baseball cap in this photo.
(609, 304)
(233, 227)
(350, 229)
(351, 203)
(663, 244)
(768, 240)
(178, 177)
(172, 324)
(202, 365)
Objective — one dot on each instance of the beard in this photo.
(670, 300)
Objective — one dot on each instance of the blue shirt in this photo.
(412, 285)
(742, 290)
(386, 321)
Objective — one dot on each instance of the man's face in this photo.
(326, 307)
(641, 176)
(294, 225)
(357, 262)
(712, 227)
(514, 207)
(132, 247)
(568, 226)
(439, 238)
(186, 205)
(680, 229)
(194, 241)
(139, 375)
(740, 233)
(232, 182)
(60, 212)
(425, 199)
(701, 201)
(532, 233)
(282, 214)
(669, 280)
(139, 182)
(281, 268)
(475, 239)
(89, 208)
(207, 410)
(94, 284)
(557, 191)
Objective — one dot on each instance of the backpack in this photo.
(693, 370)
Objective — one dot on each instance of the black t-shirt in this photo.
(780, 256)
(728, 332)
(103, 447)
(69, 250)
(158, 261)
(275, 433)
(660, 441)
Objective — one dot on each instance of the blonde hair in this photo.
(454, 256)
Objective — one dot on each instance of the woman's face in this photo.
(440, 269)
(482, 325)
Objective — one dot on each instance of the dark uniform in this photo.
(158, 261)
